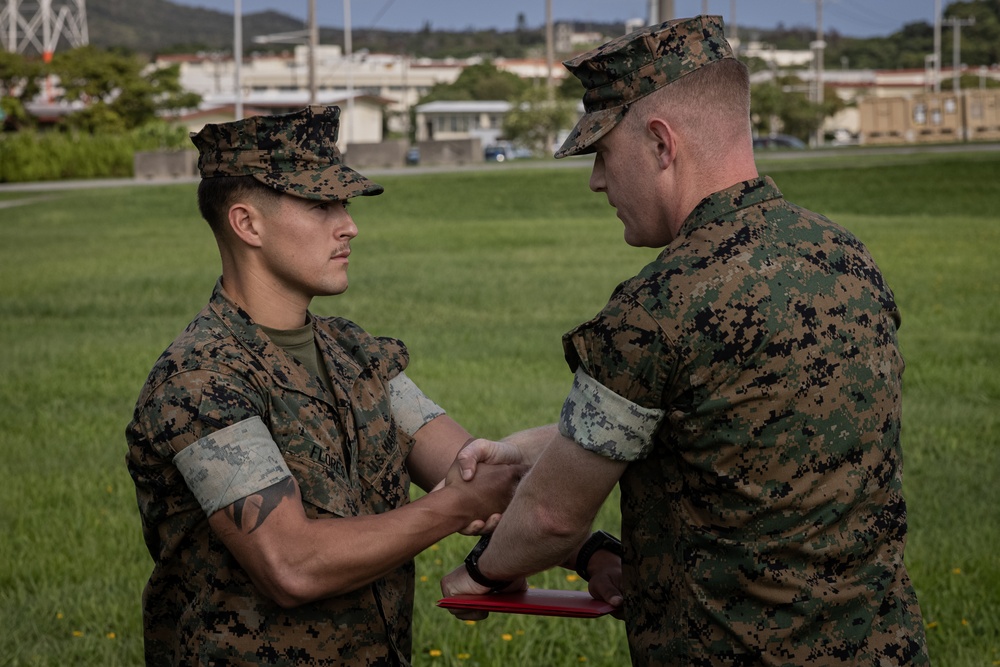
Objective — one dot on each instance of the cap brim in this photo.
(334, 183)
(591, 127)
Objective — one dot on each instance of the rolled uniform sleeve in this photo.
(623, 364)
(232, 463)
(411, 408)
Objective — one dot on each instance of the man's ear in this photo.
(666, 141)
(244, 220)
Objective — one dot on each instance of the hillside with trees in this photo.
(158, 26)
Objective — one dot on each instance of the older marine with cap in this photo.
(743, 391)
(272, 449)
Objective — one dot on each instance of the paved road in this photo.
(574, 162)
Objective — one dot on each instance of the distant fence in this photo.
(153, 165)
(970, 115)
(389, 153)
(150, 165)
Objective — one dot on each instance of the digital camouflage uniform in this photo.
(224, 373)
(199, 606)
(764, 524)
(750, 376)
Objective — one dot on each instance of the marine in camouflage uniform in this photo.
(748, 382)
(766, 516)
(223, 371)
(233, 409)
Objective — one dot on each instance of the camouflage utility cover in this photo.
(766, 524)
(293, 153)
(634, 65)
(199, 606)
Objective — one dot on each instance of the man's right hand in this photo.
(606, 580)
(485, 496)
(523, 447)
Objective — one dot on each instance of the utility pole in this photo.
(661, 10)
(313, 43)
(349, 53)
(238, 57)
(549, 48)
(937, 46)
(734, 34)
(956, 60)
(550, 90)
(818, 47)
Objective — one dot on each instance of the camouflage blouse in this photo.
(764, 523)
(199, 606)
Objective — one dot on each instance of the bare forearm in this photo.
(293, 559)
(340, 555)
(528, 540)
(551, 513)
(532, 442)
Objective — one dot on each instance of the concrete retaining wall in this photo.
(165, 164)
(389, 153)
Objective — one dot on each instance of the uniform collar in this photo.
(725, 203)
(287, 372)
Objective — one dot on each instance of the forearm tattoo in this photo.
(248, 514)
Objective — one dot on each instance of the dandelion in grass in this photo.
(932, 625)
(957, 570)
(519, 633)
(581, 658)
(438, 561)
(470, 622)
(463, 656)
(423, 578)
(965, 621)
(434, 653)
(572, 577)
(434, 547)
(506, 636)
(111, 635)
(77, 633)
(59, 615)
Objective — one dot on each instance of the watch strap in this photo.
(472, 567)
(596, 542)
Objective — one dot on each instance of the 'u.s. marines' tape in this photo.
(230, 464)
(603, 422)
(410, 407)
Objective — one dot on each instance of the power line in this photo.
(862, 15)
(381, 12)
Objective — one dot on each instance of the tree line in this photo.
(117, 93)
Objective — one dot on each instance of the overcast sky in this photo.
(859, 18)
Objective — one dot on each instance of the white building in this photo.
(437, 121)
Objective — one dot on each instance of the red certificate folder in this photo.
(577, 604)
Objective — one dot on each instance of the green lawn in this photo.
(480, 272)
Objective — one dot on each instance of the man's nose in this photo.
(597, 175)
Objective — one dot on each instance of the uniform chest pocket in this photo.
(382, 468)
(322, 477)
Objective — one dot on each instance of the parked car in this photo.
(776, 141)
(498, 153)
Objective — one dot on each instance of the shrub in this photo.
(57, 155)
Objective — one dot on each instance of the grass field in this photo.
(480, 273)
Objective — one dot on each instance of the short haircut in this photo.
(217, 194)
(712, 103)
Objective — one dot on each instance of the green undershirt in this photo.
(302, 345)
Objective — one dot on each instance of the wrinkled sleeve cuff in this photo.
(603, 422)
(410, 407)
(231, 463)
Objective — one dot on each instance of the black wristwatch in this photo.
(472, 567)
(596, 542)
